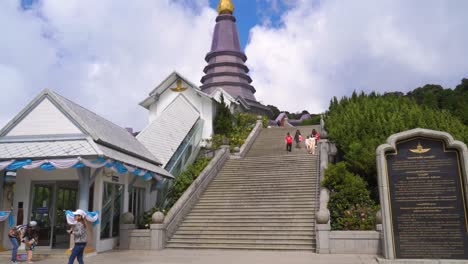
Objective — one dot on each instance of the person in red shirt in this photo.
(289, 141)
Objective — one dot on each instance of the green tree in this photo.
(275, 111)
(351, 207)
(222, 124)
(358, 125)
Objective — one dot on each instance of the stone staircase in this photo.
(271, 141)
(264, 201)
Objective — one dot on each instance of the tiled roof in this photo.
(16, 150)
(102, 138)
(103, 130)
(164, 135)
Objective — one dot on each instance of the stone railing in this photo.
(249, 141)
(156, 237)
(190, 197)
(339, 242)
(342, 242)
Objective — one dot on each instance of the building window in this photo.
(136, 204)
(112, 197)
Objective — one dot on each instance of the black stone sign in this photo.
(428, 207)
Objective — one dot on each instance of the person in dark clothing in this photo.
(288, 141)
(298, 138)
(30, 239)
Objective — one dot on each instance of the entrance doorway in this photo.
(49, 200)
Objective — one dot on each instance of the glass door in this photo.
(42, 211)
(49, 201)
(66, 199)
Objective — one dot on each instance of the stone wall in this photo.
(139, 239)
(355, 242)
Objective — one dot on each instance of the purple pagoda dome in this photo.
(226, 67)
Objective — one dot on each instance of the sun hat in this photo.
(80, 212)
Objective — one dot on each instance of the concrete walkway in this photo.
(176, 256)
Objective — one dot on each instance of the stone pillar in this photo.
(124, 237)
(2, 225)
(84, 176)
(158, 236)
(323, 238)
(83, 179)
(322, 220)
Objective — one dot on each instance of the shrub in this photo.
(314, 120)
(243, 123)
(185, 179)
(222, 124)
(359, 124)
(351, 207)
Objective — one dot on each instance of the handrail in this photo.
(185, 203)
(249, 141)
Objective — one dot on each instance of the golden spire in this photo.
(225, 6)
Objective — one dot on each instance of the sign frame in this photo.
(388, 245)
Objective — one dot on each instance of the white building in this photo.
(66, 157)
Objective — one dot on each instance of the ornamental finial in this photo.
(225, 6)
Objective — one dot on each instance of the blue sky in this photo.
(107, 55)
(250, 13)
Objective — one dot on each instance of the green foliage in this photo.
(436, 97)
(296, 115)
(358, 125)
(243, 123)
(265, 121)
(351, 207)
(218, 140)
(314, 120)
(185, 179)
(274, 111)
(222, 124)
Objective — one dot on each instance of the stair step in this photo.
(292, 229)
(280, 224)
(250, 221)
(278, 200)
(269, 196)
(265, 214)
(254, 204)
(241, 246)
(244, 237)
(264, 187)
(248, 218)
(246, 232)
(244, 210)
(305, 242)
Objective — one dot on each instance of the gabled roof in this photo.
(165, 84)
(104, 137)
(164, 135)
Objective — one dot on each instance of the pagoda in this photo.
(226, 67)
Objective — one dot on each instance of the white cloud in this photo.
(332, 47)
(106, 55)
